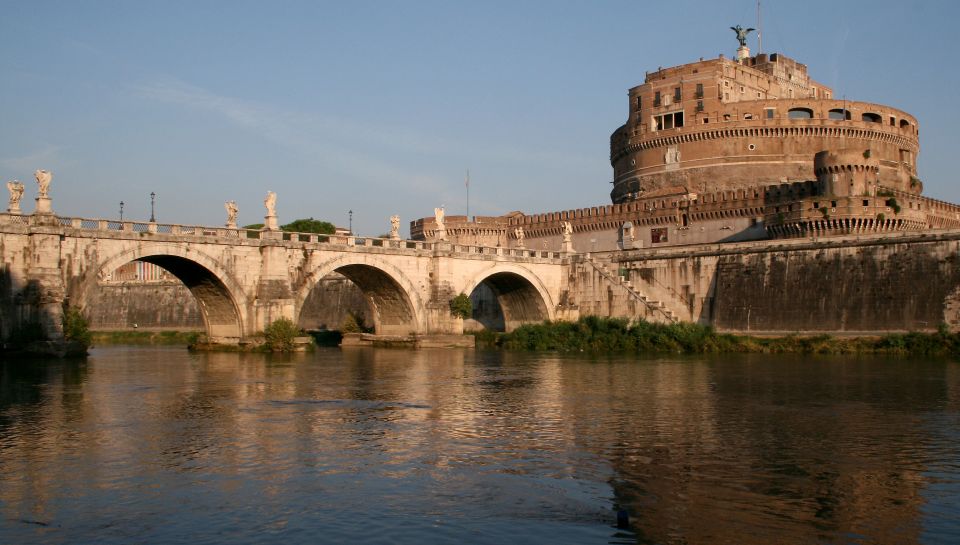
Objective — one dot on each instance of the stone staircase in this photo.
(659, 312)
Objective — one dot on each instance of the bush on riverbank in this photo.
(281, 335)
(594, 334)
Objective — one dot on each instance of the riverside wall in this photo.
(885, 283)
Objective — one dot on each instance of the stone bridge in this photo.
(244, 279)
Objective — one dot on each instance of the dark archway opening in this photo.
(363, 294)
(167, 293)
(505, 301)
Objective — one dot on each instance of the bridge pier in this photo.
(275, 298)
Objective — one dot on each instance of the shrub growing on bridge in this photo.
(75, 327)
(281, 334)
(461, 306)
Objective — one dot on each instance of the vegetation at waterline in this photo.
(75, 327)
(594, 334)
(145, 337)
(281, 335)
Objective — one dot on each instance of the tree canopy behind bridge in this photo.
(303, 225)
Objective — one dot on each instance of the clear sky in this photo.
(381, 107)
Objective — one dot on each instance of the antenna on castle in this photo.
(759, 30)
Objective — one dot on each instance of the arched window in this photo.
(904, 124)
(871, 117)
(800, 113)
(839, 114)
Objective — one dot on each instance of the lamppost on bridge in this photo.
(121, 210)
(351, 221)
(153, 197)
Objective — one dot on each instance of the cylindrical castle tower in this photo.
(719, 124)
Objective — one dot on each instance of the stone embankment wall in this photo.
(865, 284)
(121, 305)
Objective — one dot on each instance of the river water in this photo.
(157, 445)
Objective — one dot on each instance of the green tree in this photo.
(310, 225)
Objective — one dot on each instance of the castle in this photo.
(735, 149)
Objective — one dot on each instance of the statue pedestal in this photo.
(567, 247)
(231, 225)
(743, 52)
(270, 223)
(44, 206)
(15, 210)
(394, 236)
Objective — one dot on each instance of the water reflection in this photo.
(396, 446)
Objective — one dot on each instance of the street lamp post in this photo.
(351, 222)
(121, 210)
(153, 197)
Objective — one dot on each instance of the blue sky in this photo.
(380, 107)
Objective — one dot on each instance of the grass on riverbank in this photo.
(145, 337)
(593, 334)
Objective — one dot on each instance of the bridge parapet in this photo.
(121, 229)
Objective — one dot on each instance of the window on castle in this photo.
(676, 94)
(816, 205)
(866, 202)
(656, 98)
(699, 90)
(748, 116)
(672, 120)
(833, 204)
(838, 114)
(893, 121)
(658, 234)
(871, 117)
(699, 105)
(770, 112)
(800, 113)
(639, 103)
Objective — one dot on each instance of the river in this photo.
(157, 445)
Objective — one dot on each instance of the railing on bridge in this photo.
(311, 238)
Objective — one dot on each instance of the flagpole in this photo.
(468, 194)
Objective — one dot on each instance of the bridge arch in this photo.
(220, 298)
(522, 297)
(393, 299)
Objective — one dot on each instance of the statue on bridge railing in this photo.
(270, 202)
(16, 193)
(43, 182)
(232, 210)
(438, 215)
(43, 188)
(395, 227)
